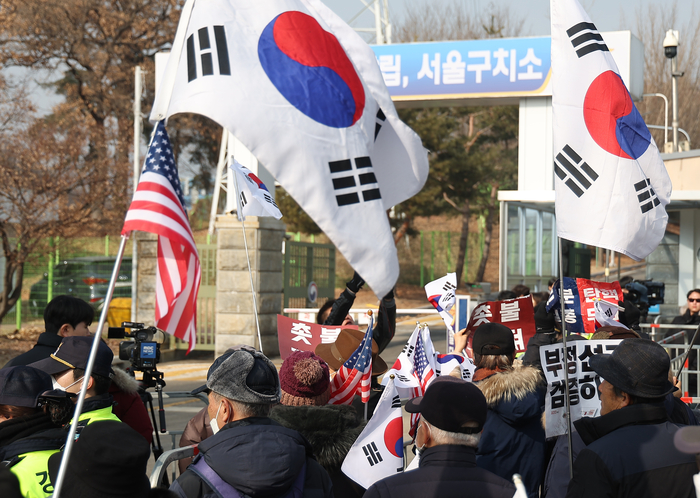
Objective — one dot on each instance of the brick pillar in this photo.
(147, 250)
(235, 321)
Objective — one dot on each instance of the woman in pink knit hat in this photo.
(330, 429)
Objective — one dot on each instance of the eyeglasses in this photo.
(693, 300)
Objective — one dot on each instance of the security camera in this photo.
(671, 44)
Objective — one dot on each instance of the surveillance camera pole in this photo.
(674, 123)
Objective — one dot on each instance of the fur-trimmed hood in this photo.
(330, 429)
(502, 386)
(124, 381)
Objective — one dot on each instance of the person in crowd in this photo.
(551, 283)
(198, 428)
(330, 429)
(64, 316)
(67, 366)
(690, 317)
(629, 448)
(506, 294)
(521, 290)
(452, 415)
(28, 435)
(336, 312)
(545, 334)
(128, 404)
(539, 298)
(9, 485)
(249, 453)
(513, 441)
(341, 350)
(109, 459)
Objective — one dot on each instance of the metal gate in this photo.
(304, 263)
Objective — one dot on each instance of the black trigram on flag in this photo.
(381, 117)
(396, 402)
(646, 195)
(372, 454)
(576, 174)
(349, 182)
(585, 38)
(206, 53)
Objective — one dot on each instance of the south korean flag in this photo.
(611, 184)
(254, 199)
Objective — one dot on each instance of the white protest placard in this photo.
(583, 382)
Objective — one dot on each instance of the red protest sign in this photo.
(589, 291)
(516, 314)
(297, 335)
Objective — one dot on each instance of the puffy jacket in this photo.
(513, 439)
(444, 471)
(259, 458)
(630, 452)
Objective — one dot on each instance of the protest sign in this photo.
(516, 314)
(296, 335)
(583, 382)
(580, 295)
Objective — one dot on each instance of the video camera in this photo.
(144, 351)
(645, 293)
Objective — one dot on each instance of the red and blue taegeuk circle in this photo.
(311, 70)
(393, 437)
(612, 118)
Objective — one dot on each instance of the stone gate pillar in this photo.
(235, 321)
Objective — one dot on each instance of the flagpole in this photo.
(247, 256)
(566, 361)
(88, 370)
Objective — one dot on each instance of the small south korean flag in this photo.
(611, 184)
(378, 451)
(253, 197)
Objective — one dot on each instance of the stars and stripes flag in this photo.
(424, 371)
(158, 207)
(355, 375)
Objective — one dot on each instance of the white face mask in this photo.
(55, 384)
(214, 424)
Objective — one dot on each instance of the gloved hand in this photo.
(355, 284)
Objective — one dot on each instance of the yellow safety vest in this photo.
(32, 470)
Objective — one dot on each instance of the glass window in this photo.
(531, 241)
(513, 240)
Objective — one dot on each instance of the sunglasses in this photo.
(693, 300)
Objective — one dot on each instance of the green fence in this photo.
(306, 262)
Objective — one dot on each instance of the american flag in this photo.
(158, 207)
(425, 373)
(355, 375)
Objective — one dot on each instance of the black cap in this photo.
(449, 403)
(493, 334)
(74, 352)
(109, 459)
(636, 366)
(22, 386)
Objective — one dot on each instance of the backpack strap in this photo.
(215, 482)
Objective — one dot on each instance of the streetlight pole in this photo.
(671, 52)
(665, 114)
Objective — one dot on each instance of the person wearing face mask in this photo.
(28, 435)
(67, 366)
(452, 416)
(249, 453)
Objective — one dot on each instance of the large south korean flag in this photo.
(611, 184)
(280, 78)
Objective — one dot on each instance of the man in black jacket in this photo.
(453, 413)
(64, 316)
(629, 448)
(250, 454)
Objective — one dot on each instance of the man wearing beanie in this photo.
(330, 429)
(249, 453)
(452, 415)
(513, 440)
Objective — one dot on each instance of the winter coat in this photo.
(513, 439)
(694, 320)
(128, 404)
(444, 471)
(532, 354)
(331, 430)
(45, 345)
(259, 458)
(630, 452)
(384, 327)
(197, 430)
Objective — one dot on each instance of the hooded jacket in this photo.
(259, 458)
(513, 440)
(331, 430)
(630, 452)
